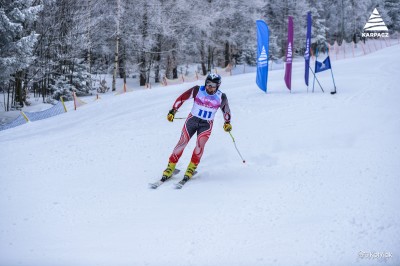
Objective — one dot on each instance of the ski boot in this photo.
(168, 172)
(190, 171)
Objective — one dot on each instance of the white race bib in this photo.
(205, 106)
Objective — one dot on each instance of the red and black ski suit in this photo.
(199, 120)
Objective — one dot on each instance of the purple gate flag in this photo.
(289, 55)
(307, 52)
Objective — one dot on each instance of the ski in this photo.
(181, 183)
(155, 185)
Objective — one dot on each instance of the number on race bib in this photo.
(204, 114)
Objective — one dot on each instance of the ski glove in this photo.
(171, 115)
(227, 126)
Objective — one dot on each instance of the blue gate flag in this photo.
(307, 52)
(262, 54)
(325, 65)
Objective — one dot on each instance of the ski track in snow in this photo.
(320, 183)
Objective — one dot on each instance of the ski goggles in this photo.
(211, 84)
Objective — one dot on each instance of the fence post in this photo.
(62, 100)
(24, 115)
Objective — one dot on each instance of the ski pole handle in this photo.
(233, 139)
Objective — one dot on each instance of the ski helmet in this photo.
(215, 78)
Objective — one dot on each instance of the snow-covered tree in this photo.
(276, 16)
(62, 47)
(17, 43)
(393, 11)
(57, 47)
(319, 29)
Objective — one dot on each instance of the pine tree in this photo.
(17, 43)
(393, 11)
(276, 16)
(319, 30)
(71, 40)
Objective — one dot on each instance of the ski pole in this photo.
(244, 161)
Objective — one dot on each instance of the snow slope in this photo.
(320, 185)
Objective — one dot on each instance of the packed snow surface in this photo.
(320, 185)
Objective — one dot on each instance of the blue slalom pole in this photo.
(316, 59)
(334, 85)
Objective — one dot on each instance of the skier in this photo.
(207, 100)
